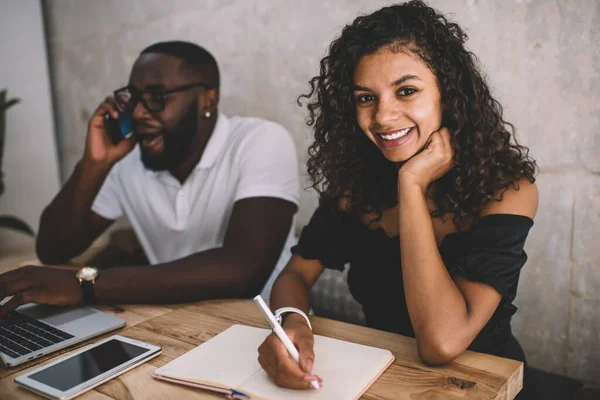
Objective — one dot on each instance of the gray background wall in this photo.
(543, 61)
(31, 175)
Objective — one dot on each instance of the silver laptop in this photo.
(35, 330)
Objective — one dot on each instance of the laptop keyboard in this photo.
(21, 335)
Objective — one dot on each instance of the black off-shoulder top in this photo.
(491, 252)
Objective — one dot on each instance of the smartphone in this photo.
(87, 368)
(118, 129)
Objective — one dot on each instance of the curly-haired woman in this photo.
(423, 190)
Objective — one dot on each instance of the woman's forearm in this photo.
(290, 290)
(437, 308)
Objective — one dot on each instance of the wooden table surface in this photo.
(180, 328)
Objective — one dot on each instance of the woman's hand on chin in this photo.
(433, 162)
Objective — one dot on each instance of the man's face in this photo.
(165, 136)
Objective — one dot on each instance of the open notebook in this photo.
(228, 364)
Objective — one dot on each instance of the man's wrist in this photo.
(87, 277)
(89, 165)
(90, 175)
(110, 288)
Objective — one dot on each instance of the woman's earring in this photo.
(207, 114)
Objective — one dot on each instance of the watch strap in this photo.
(87, 291)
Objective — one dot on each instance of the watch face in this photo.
(87, 273)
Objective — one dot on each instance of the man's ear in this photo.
(212, 99)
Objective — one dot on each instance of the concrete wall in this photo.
(543, 60)
(30, 160)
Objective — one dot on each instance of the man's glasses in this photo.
(154, 100)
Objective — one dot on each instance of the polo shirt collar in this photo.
(216, 143)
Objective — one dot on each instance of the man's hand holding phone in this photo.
(100, 146)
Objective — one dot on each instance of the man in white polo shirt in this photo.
(211, 198)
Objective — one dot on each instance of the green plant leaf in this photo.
(4, 105)
(8, 221)
(10, 103)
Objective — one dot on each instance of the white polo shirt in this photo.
(244, 157)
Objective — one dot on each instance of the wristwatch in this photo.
(87, 278)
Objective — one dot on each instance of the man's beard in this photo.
(176, 143)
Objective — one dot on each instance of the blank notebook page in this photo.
(229, 360)
(226, 360)
(346, 369)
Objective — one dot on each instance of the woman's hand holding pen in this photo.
(280, 366)
(436, 159)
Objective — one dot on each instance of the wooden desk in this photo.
(179, 328)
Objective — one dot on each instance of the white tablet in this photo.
(87, 368)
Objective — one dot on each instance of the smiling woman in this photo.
(423, 191)
(397, 102)
(412, 62)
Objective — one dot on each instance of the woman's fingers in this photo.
(305, 345)
(281, 367)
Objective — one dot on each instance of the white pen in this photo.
(280, 333)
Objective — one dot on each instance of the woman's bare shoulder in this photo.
(520, 198)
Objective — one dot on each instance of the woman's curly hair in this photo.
(344, 164)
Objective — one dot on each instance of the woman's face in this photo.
(398, 102)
